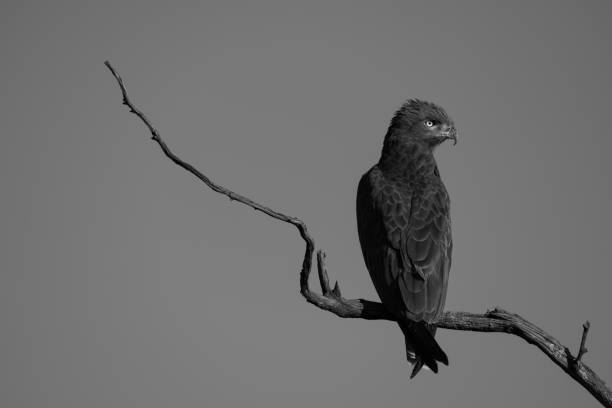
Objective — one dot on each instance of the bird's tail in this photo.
(421, 346)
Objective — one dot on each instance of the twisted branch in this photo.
(496, 320)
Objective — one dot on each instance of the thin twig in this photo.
(582, 350)
(496, 320)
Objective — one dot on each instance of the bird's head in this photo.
(423, 122)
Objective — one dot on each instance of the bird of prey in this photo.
(405, 229)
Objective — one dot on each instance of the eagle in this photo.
(404, 225)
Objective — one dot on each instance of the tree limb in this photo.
(496, 320)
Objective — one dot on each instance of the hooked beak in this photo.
(450, 132)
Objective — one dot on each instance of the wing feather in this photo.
(406, 242)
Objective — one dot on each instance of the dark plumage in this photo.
(404, 227)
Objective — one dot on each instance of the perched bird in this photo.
(404, 227)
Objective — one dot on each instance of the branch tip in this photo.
(336, 290)
(583, 350)
(322, 271)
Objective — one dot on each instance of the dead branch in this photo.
(496, 320)
(585, 330)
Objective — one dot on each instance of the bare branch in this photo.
(496, 320)
(323, 279)
(585, 330)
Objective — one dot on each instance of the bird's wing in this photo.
(425, 249)
(406, 245)
(381, 257)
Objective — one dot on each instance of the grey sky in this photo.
(125, 283)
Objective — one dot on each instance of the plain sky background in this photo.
(126, 283)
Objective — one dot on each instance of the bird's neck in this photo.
(406, 159)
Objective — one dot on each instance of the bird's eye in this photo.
(429, 123)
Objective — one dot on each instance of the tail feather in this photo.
(418, 364)
(420, 340)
